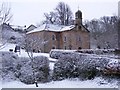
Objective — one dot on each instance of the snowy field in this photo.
(98, 82)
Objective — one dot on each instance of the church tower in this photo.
(78, 18)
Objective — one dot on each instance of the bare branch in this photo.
(62, 15)
(5, 13)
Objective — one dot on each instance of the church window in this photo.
(53, 37)
(79, 39)
(65, 39)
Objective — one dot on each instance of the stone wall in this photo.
(75, 39)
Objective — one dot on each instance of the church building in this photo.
(49, 36)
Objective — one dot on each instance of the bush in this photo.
(14, 68)
(21, 62)
(78, 65)
(25, 68)
(113, 68)
(8, 65)
(65, 68)
(58, 53)
(98, 51)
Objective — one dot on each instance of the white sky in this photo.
(26, 12)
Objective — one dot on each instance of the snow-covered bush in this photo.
(78, 65)
(65, 67)
(19, 64)
(113, 67)
(8, 65)
(28, 71)
(58, 53)
(14, 67)
(98, 51)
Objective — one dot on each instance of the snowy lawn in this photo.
(67, 83)
(7, 46)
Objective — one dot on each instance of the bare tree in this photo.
(31, 43)
(62, 15)
(28, 48)
(51, 17)
(5, 17)
(5, 13)
(104, 31)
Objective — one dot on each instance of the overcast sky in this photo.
(26, 12)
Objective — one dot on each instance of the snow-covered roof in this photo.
(67, 28)
(52, 27)
(18, 27)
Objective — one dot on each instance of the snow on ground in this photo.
(67, 83)
(7, 46)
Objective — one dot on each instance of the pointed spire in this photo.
(78, 7)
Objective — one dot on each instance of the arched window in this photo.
(53, 37)
(65, 38)
(79, 38)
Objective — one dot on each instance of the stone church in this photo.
(49, 36)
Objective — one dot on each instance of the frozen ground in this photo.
(98, 82)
